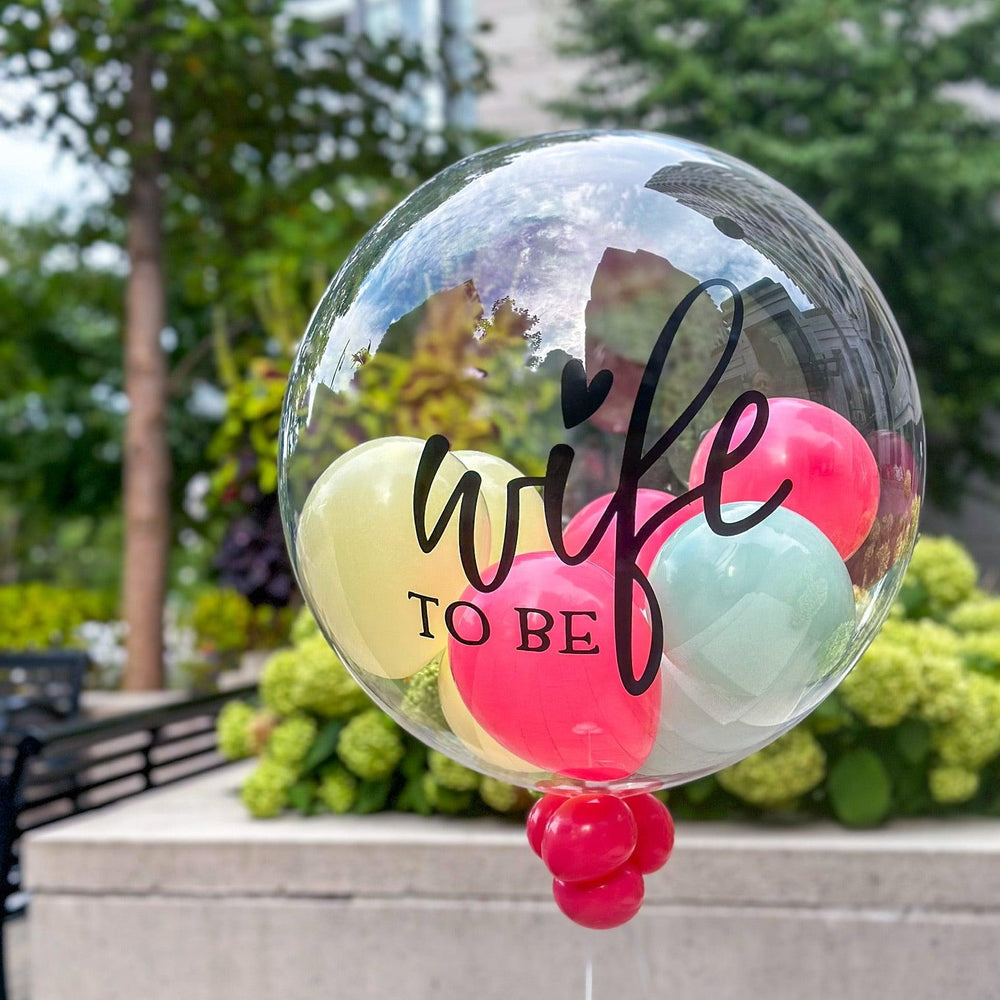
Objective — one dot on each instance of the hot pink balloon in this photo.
(647, 503)
(538, 819)
(835, 479)
(655, 840)
(544, 681)
(588, 837)
(607, 902)
(893, 528)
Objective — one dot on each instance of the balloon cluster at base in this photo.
(600, 466)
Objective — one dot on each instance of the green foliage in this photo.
(859, 789)
(322, 684)
(278, 681)
(263, 108)
(233, 730)
(338, 789)
(38, 616)
(444, 799)
(371, 746)
(450, 774)
(324, 746)
(265, 792)
(777, 775)
(952, 785)
(941, 576)
(309, 678)
(979, 614)
(279, 141)
(253, 412)
(303, 626)
(972, 738)
(855, 106)
(60, 406)
(422, 701)
(883, 688)
(504, 798)
(291, 740)
(913, 730)
(471, 387)
(222, 621)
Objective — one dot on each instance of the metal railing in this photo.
(61, 771)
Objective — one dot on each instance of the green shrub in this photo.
(914, 729)
(324, 747)
(40, 616)
(221, 620)
(777, 775)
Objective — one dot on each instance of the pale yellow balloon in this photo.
(532, 535)
(359, 561)
(461, 722)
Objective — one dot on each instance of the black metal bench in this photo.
(40, 688)
(55, 772)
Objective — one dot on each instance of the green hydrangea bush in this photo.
(914, 729)
(324, 747)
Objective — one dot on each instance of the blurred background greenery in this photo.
(226, 156)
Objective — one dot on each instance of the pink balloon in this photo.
(608, 902)
(655, 840)
(835, 479)
(588, 837)
(538, 819)
(647, 503)
(893, 528)
(544, 681)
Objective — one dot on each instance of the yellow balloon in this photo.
(532, 535)
(465, 727)
(359, 561)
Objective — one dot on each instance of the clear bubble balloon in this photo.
(601, 461)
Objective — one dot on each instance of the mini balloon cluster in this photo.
(598, 848)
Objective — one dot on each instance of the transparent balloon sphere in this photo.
(601, 461)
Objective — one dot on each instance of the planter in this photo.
(180, 894)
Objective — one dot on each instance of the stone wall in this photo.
(178, 893)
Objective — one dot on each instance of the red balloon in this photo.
(608, 902)
(538, 819)
(893, 528)
(655, 841)
(588, 837)
(543, 678)
(647, 503)
(835, 479)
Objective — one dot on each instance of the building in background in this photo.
(519, 37)
(527, 71)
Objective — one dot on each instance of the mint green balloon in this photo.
(757, 617)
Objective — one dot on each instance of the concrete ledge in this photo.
(179, 893)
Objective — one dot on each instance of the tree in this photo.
(856, 106)
(205, 120)
(60, 406)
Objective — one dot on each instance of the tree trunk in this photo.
(147, 469)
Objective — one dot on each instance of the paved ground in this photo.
(16, 940)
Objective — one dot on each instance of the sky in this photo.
(34, 177)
